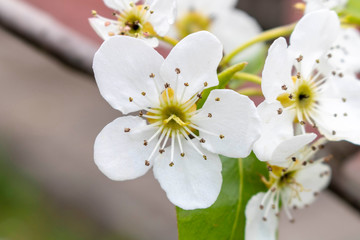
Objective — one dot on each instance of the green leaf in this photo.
(225, 219)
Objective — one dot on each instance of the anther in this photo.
(202, 140)
(284, 169)
(280, 111)
(261, 207)
(300, 58)
(107, 24)
(292, 220)
(269, 168)
(114, 13)
(293, 158)
(328, 158)
(205, 84)
(152, 75)
(166, 85)
(199, 95)
(329, 55)
(161, 151)
(141, 113)
(131, 99)
(131, 4)
(273, 206)
(273, 189)
(321, 146)
(333, 73)
(126, 130)
(177, 70)
(313, 148)
(145, 143)
(205, 157)
(335, 115)
(341, 75)
(304, 163)
(343, 99)
(302, 123)
(171, 164)
(111, 34)
(217, 99)
(209, 115)
(316, 194)
(182, 154)
(221, 136)
(186, 84)
(284, 87)
(93, 12)
(264, 219)
(317, 61)
(146, 8)
(298, 75)
(290, 96)
(143, 93)
(151, 11)
(345, 114)
(147, 163)
(333, 132)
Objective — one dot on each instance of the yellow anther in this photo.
(93, 12)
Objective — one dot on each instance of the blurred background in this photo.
(51, 112)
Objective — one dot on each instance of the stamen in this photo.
(182, 154)
(172, 151)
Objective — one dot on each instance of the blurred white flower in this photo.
(308, 87)
(295, 186)
(314, 5)
(139, 21)
(232, 26)
(132, 76)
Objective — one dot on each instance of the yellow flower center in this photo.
(192, 21)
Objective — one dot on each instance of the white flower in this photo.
(308, 87)
(295, 186)
(345, 52)
(132, 76)
(232, 26)
(314, 5)
(140, 21)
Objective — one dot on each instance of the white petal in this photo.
(205, 6)
(313, 179)
(313, 36)
(192, 182)
(163, 16)
(119, 5)
(121, 155)
(341, 99)
(103, 31)
(235, 117)
(314, 5)
(275, 128)
(290, 146)
(256, 228)
(277, 70)
(234, 27)
(122, 67)
(197, 56)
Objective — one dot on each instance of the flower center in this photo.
(192, 21)
(133, 22)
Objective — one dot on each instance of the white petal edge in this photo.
(121, 155)
(256, 228)
(119, 5)
(197, 56)
(192, 182)
(235, 117)
(103, 31)
(163, 16)
(122, 68)
(277, 70)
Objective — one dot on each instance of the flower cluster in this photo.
(182, 118)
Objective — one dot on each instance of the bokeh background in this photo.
(51, 112)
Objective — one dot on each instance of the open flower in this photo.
(179, 140)
(314, 5)
(139, 21)
(295, 186)
(307, 86)
(232, 26)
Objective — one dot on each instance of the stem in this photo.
(247, 77)
(264, 36)
(167, 39)
(250, 92)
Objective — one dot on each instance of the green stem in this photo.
(243, 76)
(167, 39)
(264, 36)
(251, 92)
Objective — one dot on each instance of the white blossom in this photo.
(314, 5)
(181, 142)
(310, 89)
(295, 186)
(140, 21)
(232, 26)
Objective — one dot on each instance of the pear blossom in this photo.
(295, 186)
(181, 142)
(314, 5)
(232, 26)
(140, 21)
(307, 86)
